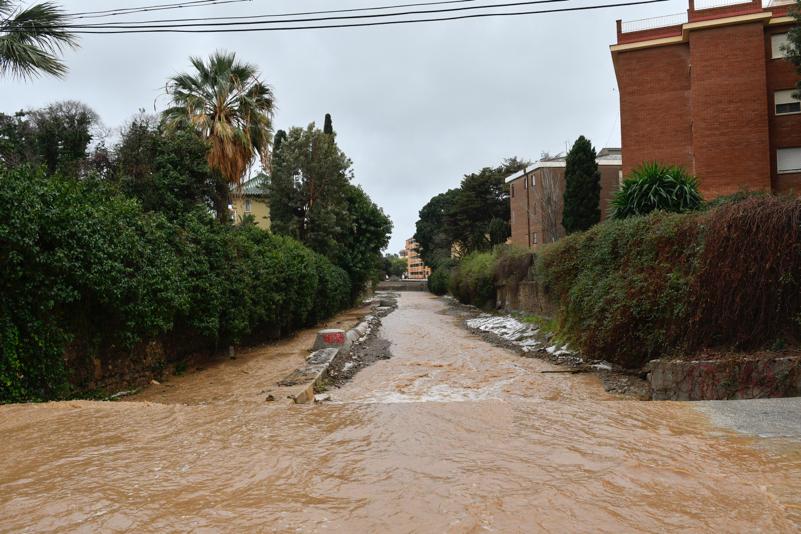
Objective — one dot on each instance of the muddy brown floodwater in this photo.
(450, 435)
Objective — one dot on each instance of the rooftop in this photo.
(252, 186)
(606, 156)
(666, 25)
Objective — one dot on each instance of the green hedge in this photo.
(645, 287)
(474, 278)
(631, 290)
(439, 279)
(81, 262)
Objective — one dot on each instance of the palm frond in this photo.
(225, 101)
(32, 38)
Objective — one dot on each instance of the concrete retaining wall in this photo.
(531, 297)
(740, 378)
(403, 285)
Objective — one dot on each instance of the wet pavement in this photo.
(451, 434)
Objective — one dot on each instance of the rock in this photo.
(155, 383)
(270, 398)
(322, 397)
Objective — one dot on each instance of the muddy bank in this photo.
(365, 351)
(531, 341)
(250, 375)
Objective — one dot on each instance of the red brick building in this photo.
(711, 91)
(536, 197)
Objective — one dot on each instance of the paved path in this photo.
(760, 417)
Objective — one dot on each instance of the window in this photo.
(533, 181)
(513, 190)
(788, 160)
(525, 183)
(785, 102)
(777, 41)
(248, 205)
(534, 237)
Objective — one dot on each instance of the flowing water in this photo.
(450, 435)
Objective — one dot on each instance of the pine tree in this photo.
(582, 188)
(328, 128)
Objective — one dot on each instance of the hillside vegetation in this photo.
(636, 289)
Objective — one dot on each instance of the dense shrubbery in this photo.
(623, 286)
(440, 278)
(81, 262)
(636, 289)
(474, 278)
(644, 287)
(655, 187)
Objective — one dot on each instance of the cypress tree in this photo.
(582, 188)
(792, 51)
(329, 127)
(280, 137)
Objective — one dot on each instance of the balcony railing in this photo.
(713, 4)
(653, 23)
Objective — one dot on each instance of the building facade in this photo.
(251, 201)
(710, 90)
(536, 197)
(415, 268)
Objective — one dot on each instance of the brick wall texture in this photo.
(538, 202)
(707, 104)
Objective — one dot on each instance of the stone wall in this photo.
(113, 370)
(737, 378)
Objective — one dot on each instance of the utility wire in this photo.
(149, 8)
(302, 13)
(178, 29)
(133, 25)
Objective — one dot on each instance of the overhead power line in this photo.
(303, 13)
(178, 29)
(255, 20)
(150, 8)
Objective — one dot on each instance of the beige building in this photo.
(415, 268)
(252, 201)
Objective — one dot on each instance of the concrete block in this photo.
(329, 338)
(322, 356)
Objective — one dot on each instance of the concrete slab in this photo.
(756, 417)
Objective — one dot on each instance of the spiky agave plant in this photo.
(32, 38)
(227, 103)
(653, 186)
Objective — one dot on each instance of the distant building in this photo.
(416, 269)
(710, 90)
(536, 197)
(252, 201)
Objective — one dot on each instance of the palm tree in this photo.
(31, 38)
(227, 103)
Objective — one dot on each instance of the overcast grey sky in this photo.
(414, 106)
